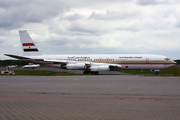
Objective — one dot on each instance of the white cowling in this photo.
(75, 66)
(100, 68)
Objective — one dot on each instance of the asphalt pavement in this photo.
(107, 97)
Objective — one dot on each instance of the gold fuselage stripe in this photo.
(135, 62)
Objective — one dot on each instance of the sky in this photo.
(92, 26)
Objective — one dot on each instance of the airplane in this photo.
(91, 63)
(31, 66)
(8, 67)
(12, 66)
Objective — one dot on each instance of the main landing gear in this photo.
(91, 72)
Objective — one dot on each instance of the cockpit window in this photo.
(166, 58)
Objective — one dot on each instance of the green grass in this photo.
(42, 73)
(172, 71)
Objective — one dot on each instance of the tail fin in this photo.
(28, 45)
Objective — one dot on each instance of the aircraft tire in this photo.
(95, 73)
(85, 72)
(90, 72)
(156, 73)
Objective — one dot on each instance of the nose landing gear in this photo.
(156, 72)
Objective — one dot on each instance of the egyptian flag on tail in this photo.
(28, 45)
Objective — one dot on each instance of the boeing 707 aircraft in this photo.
(91, 63)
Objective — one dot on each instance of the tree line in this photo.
(177, 61)
(12, 62)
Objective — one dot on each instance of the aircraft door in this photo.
(147, 60)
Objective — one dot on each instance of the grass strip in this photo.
(172, 71)
(42, 73)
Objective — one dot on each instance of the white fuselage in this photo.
(126, 61)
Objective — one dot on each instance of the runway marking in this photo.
(118, 98)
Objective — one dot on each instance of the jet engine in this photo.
(75, 66)
(100, 68)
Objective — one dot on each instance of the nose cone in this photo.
(172, 63)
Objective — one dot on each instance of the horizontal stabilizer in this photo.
(23, 58)
(16, 56)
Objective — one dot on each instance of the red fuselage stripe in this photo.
(28, 44)
(131, 63)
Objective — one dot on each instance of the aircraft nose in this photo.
(170, 64)
(173, 63)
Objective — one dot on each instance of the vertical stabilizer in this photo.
(28, 45)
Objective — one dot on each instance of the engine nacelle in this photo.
(80, 66)
(100, 68)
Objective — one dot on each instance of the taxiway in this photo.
(89, 97)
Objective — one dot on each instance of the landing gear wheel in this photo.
(85, 72)
(95, 73)
(90, 72)
(156, 73)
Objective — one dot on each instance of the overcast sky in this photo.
(92, 26)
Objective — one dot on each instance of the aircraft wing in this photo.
(23, 58)
(16, 56)
(36, 60)
(56, 61)
(87, 64)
